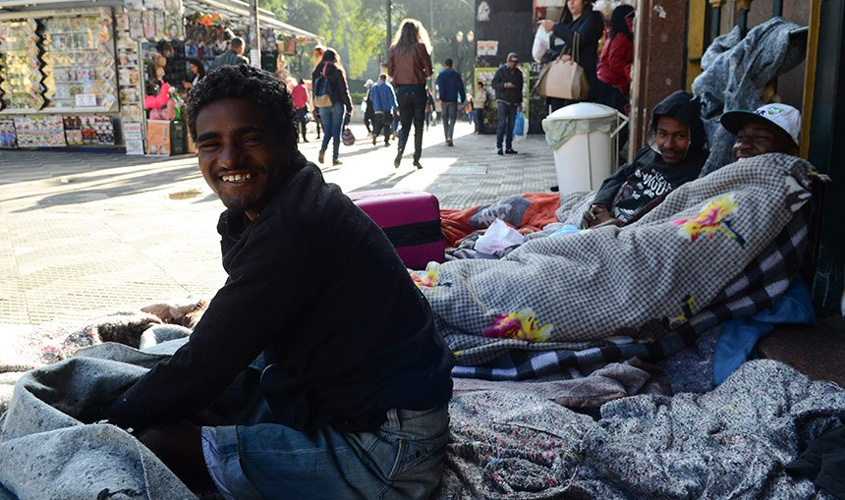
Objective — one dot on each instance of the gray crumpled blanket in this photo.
(46, 451)
(639, 282)
(735, 71)
(730, 443)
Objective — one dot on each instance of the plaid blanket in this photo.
(579, 300)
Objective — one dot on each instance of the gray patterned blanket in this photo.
(612, 285)
(730, 443)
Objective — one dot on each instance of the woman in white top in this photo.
(479, 104)
(198, 70)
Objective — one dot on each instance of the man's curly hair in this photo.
(245, 82)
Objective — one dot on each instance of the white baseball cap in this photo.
(782, 116)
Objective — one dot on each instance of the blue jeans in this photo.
(479, 120)
(332, 123)
(450, 116)
(507, 120)
(403, 459)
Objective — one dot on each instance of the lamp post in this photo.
(461, 52)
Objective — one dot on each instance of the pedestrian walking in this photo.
(452, 92)
(507, 81)
(429, 108)
(368, 107)
(409, 64)
(384, 102)
(337, 88)
(300, 104)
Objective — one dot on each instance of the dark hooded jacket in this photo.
(648, 177)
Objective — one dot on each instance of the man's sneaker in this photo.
(499, 151)
(374, 140)
(418, 165)
(321, 155)
(510, 151)
(337, 162)
(397, 160)
(450, 143)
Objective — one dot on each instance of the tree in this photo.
(357, 28)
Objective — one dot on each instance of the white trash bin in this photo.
(580, 135)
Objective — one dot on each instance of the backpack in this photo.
(322, 90)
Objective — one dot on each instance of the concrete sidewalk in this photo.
(84, 233)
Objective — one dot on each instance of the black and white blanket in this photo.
(718, 247)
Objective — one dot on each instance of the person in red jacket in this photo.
(617, 56)
(300, 104)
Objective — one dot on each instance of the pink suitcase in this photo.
(411, 220)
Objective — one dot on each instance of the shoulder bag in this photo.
(564, 78)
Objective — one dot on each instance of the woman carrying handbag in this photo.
(578, 19)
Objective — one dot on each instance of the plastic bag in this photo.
(498, 237)
(541, 44)
(519, 125)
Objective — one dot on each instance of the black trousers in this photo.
(382, 121)
(412, 110)
(300, 117)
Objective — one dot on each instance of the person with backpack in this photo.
(331, 97)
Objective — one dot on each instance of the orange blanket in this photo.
(456, 225)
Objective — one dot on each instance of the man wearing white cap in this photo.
(771, 128)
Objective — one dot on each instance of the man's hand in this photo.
(597, 214)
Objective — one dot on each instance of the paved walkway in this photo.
(82, 233)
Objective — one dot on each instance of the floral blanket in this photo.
(729, 443)
(617, 285)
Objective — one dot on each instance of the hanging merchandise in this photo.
(290, 45)
(20, 65)
(149, 17)
(88, 130)
(40, 131)
(136, 25)
(79, 65)
(161, 25)
(8, 137)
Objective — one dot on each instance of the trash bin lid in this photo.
(582, 111)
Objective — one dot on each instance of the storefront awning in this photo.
(266, 19)
(236, 8)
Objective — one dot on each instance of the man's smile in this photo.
(235, 178)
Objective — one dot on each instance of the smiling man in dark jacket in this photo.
(319, 326)
(675, 155)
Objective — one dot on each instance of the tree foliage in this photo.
(357, 29)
